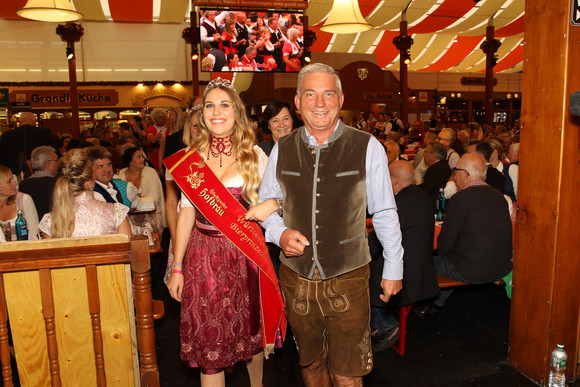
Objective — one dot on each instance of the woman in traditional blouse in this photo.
(291, 51)
(75, 211)
(211, 277)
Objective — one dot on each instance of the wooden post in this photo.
(193, 40)
(71, 33)
(74, 95)
(404, 77)
(403, 42)
(489, 47)
(546, 299)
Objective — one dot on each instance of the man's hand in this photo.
(293, 243)
(390, 288)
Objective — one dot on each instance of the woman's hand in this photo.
(262, 211)
(175, 286)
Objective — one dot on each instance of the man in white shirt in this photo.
(447, 137)
(277, 38)
(398, 121)
(209, 28)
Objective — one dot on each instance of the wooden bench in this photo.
(446, 282)
(80, 312)
(403, 312)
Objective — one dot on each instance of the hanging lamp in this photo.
(345, 18)
(49, 11)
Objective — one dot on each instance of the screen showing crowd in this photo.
(251, 41)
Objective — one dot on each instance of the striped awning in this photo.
(447, 33)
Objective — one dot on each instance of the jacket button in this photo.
(317, 227)
(318, 179)
(317, 242)
(318, 194)
(313, 258)
(313, 151)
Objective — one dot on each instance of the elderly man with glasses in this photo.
(475, 244)
(447, 137)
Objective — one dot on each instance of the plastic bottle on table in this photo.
(440, 205)
(559, 361)
(21, 228)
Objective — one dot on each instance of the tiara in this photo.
(194, 108)
(219, 82)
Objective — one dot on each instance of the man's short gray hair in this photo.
(451, 134)
(318, 68)
(40, 156)
(438, 150)
(98, 153)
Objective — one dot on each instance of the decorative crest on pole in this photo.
(70, 32)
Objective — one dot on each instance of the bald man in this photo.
(475, 244)
(415, 212)
(416, 219)
(23, 140)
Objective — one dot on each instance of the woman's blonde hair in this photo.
(194, 113)
(497, 145)
(180, 119)
(74, 171)
(243, 140)
(4, 173)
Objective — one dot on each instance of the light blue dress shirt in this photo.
(381, 204)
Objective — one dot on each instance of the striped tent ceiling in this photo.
(447, 33)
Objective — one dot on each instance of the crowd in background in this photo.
(158, 133)
(96, 184)
(251, 41)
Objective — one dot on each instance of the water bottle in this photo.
(440, 205)
(21, 228)
(559, 362)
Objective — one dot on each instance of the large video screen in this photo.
(255, 41)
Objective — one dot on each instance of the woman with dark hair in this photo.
(11, 201)
(233, 62)
(134, 170)
(63, 143)
(278, 119)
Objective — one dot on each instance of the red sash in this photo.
(217, 204)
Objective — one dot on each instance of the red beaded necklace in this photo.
(219, 146)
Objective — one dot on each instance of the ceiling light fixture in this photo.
(345, 18)
(49, 11)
